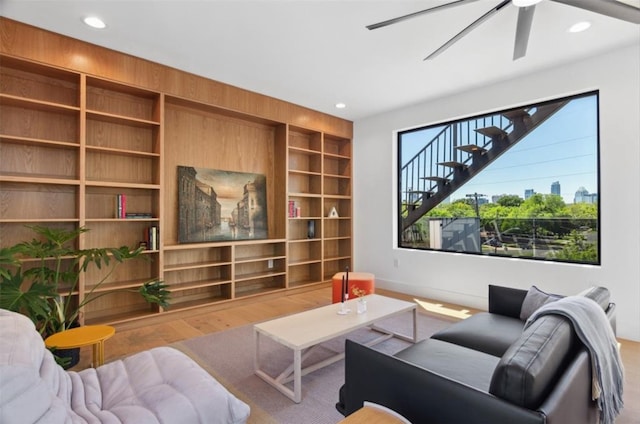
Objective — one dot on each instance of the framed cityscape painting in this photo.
(218, 205)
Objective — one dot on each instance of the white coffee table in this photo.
(305, 330)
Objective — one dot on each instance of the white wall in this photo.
(463, 279)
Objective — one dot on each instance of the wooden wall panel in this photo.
(208, 140)
(33, 43)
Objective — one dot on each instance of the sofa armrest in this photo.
(506, 300)
(418, 394)
(570, 401)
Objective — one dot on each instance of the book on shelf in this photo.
(292, 209)
(121, 206)
(138, 215)
(152, 237)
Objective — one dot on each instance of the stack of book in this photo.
(136, 215)
(294, 211)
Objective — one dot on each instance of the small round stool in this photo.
(83, 336)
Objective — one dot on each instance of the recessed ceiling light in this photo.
(340, 105)
(94, 22)
(580, 26)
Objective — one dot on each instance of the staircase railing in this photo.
(437, 161)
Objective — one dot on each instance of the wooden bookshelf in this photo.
(76, 135)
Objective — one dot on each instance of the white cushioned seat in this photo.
(161, 385)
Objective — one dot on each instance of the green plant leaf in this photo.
(46, 289)
(33, 302)
(8, 260)
(156, 292)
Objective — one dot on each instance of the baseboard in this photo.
(451, 298)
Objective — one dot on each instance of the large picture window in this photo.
(522, 182)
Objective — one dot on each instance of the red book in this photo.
(124, 206)
(292, 209)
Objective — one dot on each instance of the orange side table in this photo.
(362, 280)
(83, 336)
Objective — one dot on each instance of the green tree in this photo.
(543, 206)
(495, 211)
(583, 210)
(510, 200)
(458, 209)
(578, 249)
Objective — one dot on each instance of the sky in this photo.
(229, 186)
(564, 149)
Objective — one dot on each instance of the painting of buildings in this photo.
(218, 205)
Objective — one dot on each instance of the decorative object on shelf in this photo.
(216, 205)
(45, 287)
(361, 304)
(311, 229)
(333, 213)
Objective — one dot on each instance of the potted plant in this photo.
(38, 278)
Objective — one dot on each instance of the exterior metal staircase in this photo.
(459, 152)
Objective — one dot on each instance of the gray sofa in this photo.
(161, 385)
(485, 369)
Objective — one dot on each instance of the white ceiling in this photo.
(317, 53)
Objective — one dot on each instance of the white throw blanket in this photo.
(594, 330)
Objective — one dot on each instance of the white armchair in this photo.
(161, 385)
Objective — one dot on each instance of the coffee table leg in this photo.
(415, 325)
(255, 350)
(297, 376)
(295, 394)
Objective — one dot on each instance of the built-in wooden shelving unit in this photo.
(73, 139)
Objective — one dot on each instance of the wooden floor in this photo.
(136, 337)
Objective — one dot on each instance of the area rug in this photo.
(228, 356)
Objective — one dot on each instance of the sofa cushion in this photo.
(160, 384)
(530, 367)
(534, 299)
(456, 362)
(485, 332)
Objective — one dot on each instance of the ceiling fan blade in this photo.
(523, 29)
(416, 14)
(612, 8)
(468, 29)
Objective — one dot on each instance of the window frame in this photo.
(401, 190)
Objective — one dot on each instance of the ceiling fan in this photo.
(613, 8)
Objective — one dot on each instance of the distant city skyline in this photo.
(562, 149)
(579, 194)
(527, 192)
